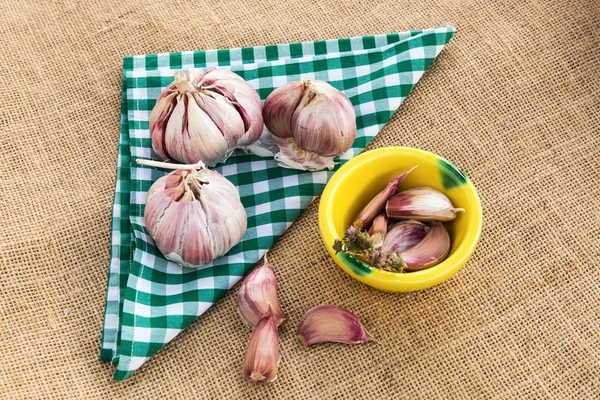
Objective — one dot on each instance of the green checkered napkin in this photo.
(150, 300)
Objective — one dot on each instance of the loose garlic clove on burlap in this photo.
(193, 214)
(312, 122)
(377, 205)
(332, 324)
(262, 357)
(258, 294)
(204, 116)
(430, 251)
(421, 203)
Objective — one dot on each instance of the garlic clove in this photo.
(258, 294)
(377, 205)
(203, 139)
(379, 230)
(159, 117)
(430, 251)
(280, 106)
(421, 203)
(224, 115)
(262, 357)
(173, 141)
(404, 235)
(329, 323)
(324, 122)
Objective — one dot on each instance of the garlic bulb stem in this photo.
(160, 164)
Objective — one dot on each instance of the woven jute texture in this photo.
(513, 100)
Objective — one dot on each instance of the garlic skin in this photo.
(421, 203)
(262, 357)
(404, 235)
(378, 230)
(258, 295)
(430, 251)
(194, 215)
(312, 122)
(329, 323)
(377, 205)
(205, 116)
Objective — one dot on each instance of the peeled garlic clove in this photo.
(312, 122)
(377, 205)
(262, 357)
(193, 214)
(258, 294)
(331, 324)
(204, 116)
(378, 230)
(430, 251)
(421, 203)
(404, 235)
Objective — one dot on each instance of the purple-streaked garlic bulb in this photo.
(312, 122)
(204, 116)
(193, 214)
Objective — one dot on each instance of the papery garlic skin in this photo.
(312, 122)
(258, 294)
(329, 323)
(204, 116)
(430, 251)
(194, 216)
(404, 235)
(262, 357)
(421, 203)
(377, 204)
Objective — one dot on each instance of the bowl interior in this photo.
(360, 179)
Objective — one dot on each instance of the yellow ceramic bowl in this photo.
(361, 178)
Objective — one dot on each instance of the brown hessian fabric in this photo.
(513, 100)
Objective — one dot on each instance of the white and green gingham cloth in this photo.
(150, 300)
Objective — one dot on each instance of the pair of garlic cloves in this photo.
(260, 310)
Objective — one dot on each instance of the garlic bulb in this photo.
(421, 203)
(332, 324)
(312, 122)
(193, 214)
(258, 294)
(204, 116)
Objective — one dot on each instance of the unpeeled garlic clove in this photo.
(377, 205)
(262, 357)
(404, 235)
(258, 294)
(329, 323)
(421, 203)
(378, 230)
(430, 251)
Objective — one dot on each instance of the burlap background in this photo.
(513, 100)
